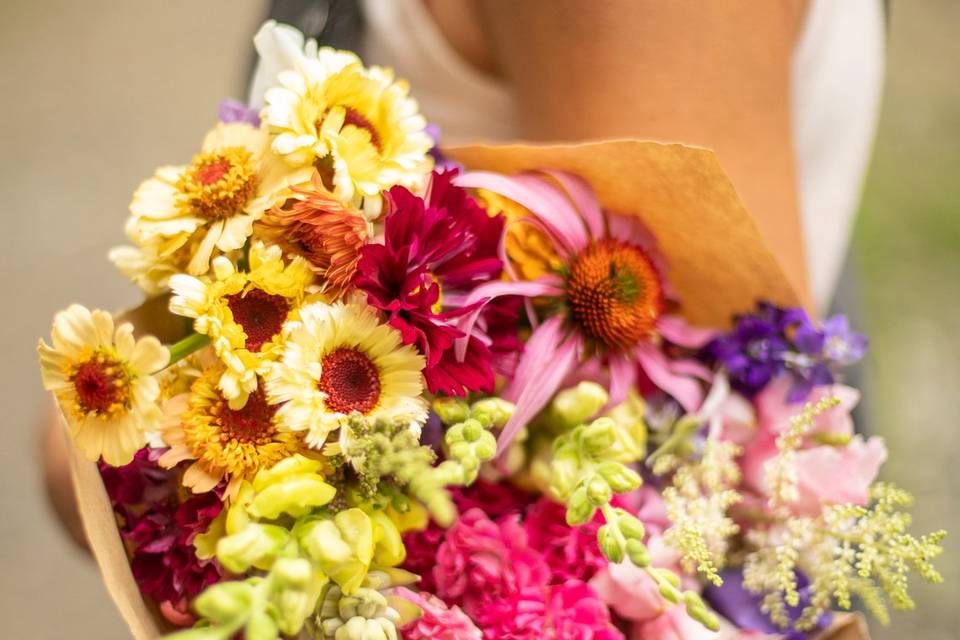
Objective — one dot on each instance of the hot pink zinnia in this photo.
(568, 611)
(437, 622)
(482, 560)
(570, 552)
(435, 251)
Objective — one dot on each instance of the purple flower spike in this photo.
(235, 111)
(842, 346)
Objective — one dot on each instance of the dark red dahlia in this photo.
(435, 251)
(160, 523)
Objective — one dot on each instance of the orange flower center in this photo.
(350, 381)
(614, 294)
(260, 314)
(253, 424)
(102, 384)
(218, 183)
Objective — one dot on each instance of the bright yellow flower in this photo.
(356, 124)
(181, 215)
(103, 380)
(530, 251)
(243, 312)
(225, 444)
(338, 359)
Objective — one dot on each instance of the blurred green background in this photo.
(906, 261)
(97, 93)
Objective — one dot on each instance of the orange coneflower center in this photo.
(614, 294)
(218, 183)
(102, 385)
(350, 381)
(253, 424)
(260, 314)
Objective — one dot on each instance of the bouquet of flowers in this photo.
(378, 391)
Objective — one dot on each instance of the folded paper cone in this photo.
(719, 262)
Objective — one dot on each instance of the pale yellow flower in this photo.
(338, 359)
(243, 312)
(184, 213)
(225, 444)
(103, 380)
(356, 125)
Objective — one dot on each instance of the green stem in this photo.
(186, 346)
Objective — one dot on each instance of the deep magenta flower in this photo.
(570, 552)
(568, 611)
(435, 251)
(161, 526)
(481, 560)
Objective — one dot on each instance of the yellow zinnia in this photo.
(339, 359)
(224, 443)
(357, 125)
(243, 312)
(181, 215)
(103, 381)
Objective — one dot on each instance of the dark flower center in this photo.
(260, 314)
(102, 384)
(350, 381)
(253, 424)
(357, 119)
(614, 294)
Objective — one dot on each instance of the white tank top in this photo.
(837, 79)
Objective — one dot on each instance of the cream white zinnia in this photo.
(103, 380)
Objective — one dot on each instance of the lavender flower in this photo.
(773, 341)
(235, 111)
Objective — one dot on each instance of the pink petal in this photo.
(683, 389)
(676, 330)
(547, 359)
(565, 225)
(545, 286)
(693, 368)
(623, 376)
(585, 199)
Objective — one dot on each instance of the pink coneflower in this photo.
(605, 305)
(435, 251)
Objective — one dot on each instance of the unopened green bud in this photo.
(699, 612)
(472, 430)
(255, 545)
(669, 576)
(564, 471)
(638, 553)
(579, 508)
(598, 436)
(671, 595)
(492, 412)
(598, 491)
(225, 602)
(261, 626)
(450, 410)
(609, 545)
(630, 526)
(621, 479)
(574, 406)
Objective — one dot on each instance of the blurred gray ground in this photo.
(97, 93)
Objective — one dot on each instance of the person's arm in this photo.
(714, 73)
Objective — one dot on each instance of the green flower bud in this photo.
(598, 491)
(492, 412)
(579, 508)
(620, 478)
(669, 594)
(450, 410)
(598, 436)
(261, 626)
(564, 471)
(609, 545)
(638, 553)
(669, 576)
(225, 602)
(629, 525)
(254, 546)
(697, 610)
(574, 406)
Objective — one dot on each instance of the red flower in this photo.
(571, 552)
(161, 528)
(435, 251)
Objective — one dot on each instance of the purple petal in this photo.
(235, 111)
